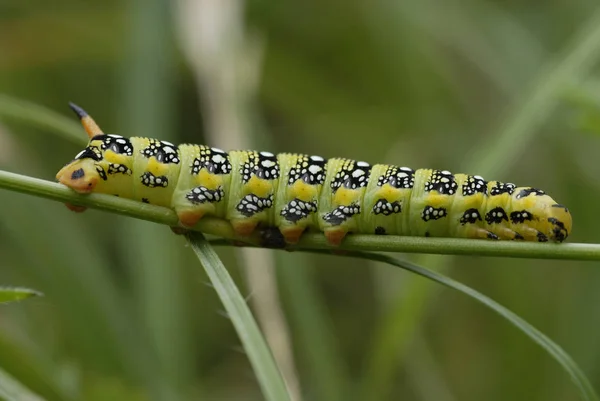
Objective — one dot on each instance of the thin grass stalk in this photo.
(259, 354)
(580, 380)
(33, 114)
(12, 390)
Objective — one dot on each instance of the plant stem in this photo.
(356, 242)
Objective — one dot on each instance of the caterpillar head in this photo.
(80, 175)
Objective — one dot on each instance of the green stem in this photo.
(356, 242)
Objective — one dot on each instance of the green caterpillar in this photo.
(296, 192)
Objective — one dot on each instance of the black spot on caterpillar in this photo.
(288, 193)
(77, 174)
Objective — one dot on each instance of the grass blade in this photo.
(13, 294)
(313, 329)
(12, 390)
(269, 377)
(41, 117)
(583, 385)
(537, 105)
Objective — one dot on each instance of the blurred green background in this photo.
(506, 89)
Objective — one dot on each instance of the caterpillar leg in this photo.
(75, 208)
(498, 233)
(481, 233)
(244, 227)
(335, 235)
(189, 217)
(271, 237)
(178, 230)
(531, 234)
(505, 233)
(291, 234)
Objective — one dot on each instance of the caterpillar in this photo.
(296, 192)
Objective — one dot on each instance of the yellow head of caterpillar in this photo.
(80, 175)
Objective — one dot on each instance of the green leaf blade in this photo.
(269, 377)
(12, 390)
(580, 380)
(21, 110)
(15, 294)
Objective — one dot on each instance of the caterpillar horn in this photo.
(88, 123)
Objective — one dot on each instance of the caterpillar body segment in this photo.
(340, 203)
(204, 179)
(296, 192)
(251, 198)
(388, 199)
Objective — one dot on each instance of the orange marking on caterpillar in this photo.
(335, 236)
(189, 218)
(292, 234)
